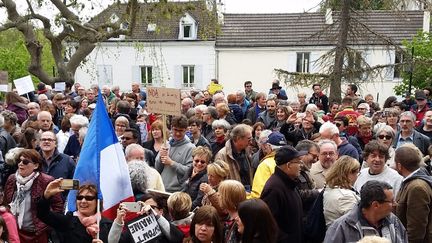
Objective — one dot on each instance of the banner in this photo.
(164, 101)
(144, 229)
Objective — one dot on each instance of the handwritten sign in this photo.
(4, 77)
(164, 101)
(144, 229)
(24, 85)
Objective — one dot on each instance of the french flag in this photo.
(102, 163)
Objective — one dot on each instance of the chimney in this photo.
(426, 21)
(329, 16)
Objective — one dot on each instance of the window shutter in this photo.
(136, 74)
(198, 77)
(178, 76)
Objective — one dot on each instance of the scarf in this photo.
(89, 222)
(18, 206)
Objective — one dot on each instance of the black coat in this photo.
(69, 227)
(282, 197)
(191, 186)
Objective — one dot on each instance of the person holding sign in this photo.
(74, 227)
(174, 161)
(150, 226)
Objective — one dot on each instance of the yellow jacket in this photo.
(265, 169)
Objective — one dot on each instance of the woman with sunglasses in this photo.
(197, 174)
(74, 227)
(385, 135)
(22, 190)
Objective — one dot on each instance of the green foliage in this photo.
(14, 57)
(360, 4)
(422, 74)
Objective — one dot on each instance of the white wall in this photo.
(238, 65)
(123, 57)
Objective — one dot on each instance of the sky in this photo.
(231, 6)
(270, 6)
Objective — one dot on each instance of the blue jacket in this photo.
(346, 148)
(61, 166)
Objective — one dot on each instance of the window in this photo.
(398, 69)
(146, 75)
(303, 59)
(188, 76)
(187, 31)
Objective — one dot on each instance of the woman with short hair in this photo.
(217, 172)
(220, 128)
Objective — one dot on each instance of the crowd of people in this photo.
(248, 166)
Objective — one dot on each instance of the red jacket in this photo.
(37, 191)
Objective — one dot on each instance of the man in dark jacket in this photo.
(408, 134)
(259, 107)
(319, 98)
(414, 199)
(281, 194)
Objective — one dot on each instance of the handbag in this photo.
(315, 226)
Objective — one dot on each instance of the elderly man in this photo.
(330, 131)
(173, 162)
(141, 94)
(372, 216)
(376, 154)
(107, 94)
(42, 99)
(242, 102)
(208, 116)
(218, 98)
(282, 197)
(234, 153)
(186, 104)
(81, 91)
(45, 122)
(327, 156)
(407, 134)
(266, 168)
(414, 199)
(55, 164)
(73, 146)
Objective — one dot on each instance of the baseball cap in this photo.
(286, 154)
(276, 139)
(420, 95)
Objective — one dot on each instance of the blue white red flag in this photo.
(102, 163)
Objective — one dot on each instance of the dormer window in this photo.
(187, 28)
(114, 18)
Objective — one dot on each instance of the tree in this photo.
(421, 64)
(71, 28)
(342, 62)
(14, 56)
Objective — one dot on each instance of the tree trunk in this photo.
(341, 47)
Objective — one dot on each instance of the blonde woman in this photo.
(339, 195)
(217, 172)
(232, 193)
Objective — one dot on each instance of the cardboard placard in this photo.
(4, 88)
(4, 77)
(24, 85)
(144, 229)
(164, 101)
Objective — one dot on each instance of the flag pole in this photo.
(98, 217)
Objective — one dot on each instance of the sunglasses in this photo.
(338, 124)
(387, 137)
(154, 207)
(87, 198)
(26, 161)
(200, 161)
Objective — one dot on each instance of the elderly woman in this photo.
(339, 195)
(386, 136)
(74, 227)
(22, 191)
(217, 172)
(221, 128)
(120, 124)
(197, 174)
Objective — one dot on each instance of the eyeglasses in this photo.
(200, 161)
(328, 154)
(338, 124)
(315, 156)
(47, 140)
(387, 137)
(87, 198)
(248, 86)
(126, 138)
(25, 161)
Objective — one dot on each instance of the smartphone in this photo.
(132, 206)
(69, 184)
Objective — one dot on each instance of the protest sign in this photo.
(164, 101)
(60, 86)
(144, 229)
(24, 85)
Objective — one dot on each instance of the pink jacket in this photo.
(11, 225)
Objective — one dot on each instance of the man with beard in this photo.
(268, 117)
(257, 108)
